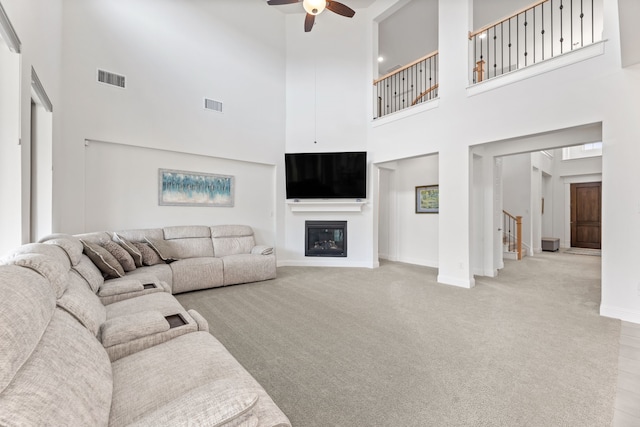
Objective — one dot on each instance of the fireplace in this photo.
(325, 238)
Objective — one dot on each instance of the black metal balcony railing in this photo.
(410, 85)
(545, 29)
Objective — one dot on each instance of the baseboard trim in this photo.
(417, 261)
(620, 313)
(454, 281)
(326, 263)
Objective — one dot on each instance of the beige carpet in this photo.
(583, 251)
(391, 347)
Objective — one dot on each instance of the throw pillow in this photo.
(149, 256)
(108, 265)
(129, 247)
(163, 248)
(119, 253)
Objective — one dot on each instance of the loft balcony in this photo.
(407, 86)
(536, 33)
(539, 32)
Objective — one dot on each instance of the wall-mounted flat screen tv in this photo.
(326, 175)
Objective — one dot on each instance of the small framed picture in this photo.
(427, 199)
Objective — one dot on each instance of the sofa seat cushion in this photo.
(130, 286)
(162, 302)
(216, 404)
(124, 314)
(153, 378)
(66, 380)
(246, 268)
(196, 273)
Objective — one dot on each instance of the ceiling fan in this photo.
(315, 7)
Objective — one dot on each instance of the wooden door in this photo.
(586, 208)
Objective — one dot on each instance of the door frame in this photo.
(566, 241)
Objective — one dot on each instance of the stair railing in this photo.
(409, 85)
(512, 233)
(540, 31)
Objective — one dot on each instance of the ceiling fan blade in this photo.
(340, 9)
(279, 2)
(308, 22)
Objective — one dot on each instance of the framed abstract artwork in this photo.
(182, 188)
(427, 199)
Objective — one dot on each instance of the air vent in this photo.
(394, 68)
(111, 78)
(210, 104)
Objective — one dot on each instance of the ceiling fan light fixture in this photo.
(314, 7)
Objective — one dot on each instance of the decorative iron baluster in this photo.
(525, 38)
(552, 40)
(518, 42)
(561, 29)
(542, 31)
(581, 24)
(571, 21)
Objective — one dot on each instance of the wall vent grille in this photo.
(210, 104)
(109, 78)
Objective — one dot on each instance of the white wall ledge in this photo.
(407, 112)
(326, 205)
(569, 58)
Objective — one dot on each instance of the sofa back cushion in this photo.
(52, 251)
(138, 235)
(56, 273)
(27, 302)
(232, 239)
(70, 244)
(92, 274)
(190, 241)
(79, 301)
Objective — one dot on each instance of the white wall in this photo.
(328, 89)
(121, 190)
(517, 193)
(38, 25)
(408, 34)
(173, 54)
(486, 12)
(10, 150)
(414, 236)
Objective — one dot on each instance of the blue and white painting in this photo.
(181, 188)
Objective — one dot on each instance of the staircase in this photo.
(512, 236)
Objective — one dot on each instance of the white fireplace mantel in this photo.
(326, 205)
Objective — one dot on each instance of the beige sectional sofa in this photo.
(133, 355)
(206, 257)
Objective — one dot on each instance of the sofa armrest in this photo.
(215, 404)
(202, 323)
(262, 250)
(128, 328)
